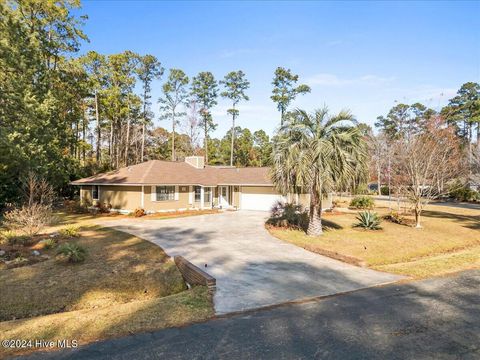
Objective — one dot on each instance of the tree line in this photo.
(64, 116)
(461, 116)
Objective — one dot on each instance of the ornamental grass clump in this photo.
(73, 253)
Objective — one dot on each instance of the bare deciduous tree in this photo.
(425, 163)
(36, 212)
(191, 125)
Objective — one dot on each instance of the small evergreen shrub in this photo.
(464, 194)
(69, 231)
(49, 243)
(361, 189)
(384, 190)
(73, 253)
(362, 202)
(12, 238)
(368, 220)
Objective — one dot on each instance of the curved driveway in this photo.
(252, 268)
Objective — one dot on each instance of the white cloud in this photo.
(325, 79)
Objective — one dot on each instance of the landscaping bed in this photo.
(449, 241)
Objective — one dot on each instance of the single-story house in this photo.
(158, 185)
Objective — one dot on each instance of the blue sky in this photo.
(361, 56)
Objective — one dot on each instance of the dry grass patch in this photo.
(94, 324)
(118, 268)
(125, 285)
(446, 230)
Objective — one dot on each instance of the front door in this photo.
(223, 197)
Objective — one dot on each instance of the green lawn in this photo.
(449, 241)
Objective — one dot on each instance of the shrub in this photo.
(12, 238)
(463, 193)
(288, 215)
(361, 189)
(49, 243)
(395, 217)
(362, 202)
(30, 219)
(69, 231)
(139, 212)
(72, 252)
(368, 220)
(104, 208)
(385, 190)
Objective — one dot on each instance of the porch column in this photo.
(202, 196)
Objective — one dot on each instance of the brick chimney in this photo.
(195, 161)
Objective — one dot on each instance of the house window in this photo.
(198, 191)
(207, 195)
(165, 193)
(95, 192)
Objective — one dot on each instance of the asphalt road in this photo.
(431, 319)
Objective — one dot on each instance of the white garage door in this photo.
(256, 198)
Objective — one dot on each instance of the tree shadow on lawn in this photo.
(118, 268)
(328, 225)
(468, 221)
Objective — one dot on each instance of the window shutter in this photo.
(190, 194)
(154, 193)
(176, 192)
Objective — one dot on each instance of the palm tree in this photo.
(317, 153)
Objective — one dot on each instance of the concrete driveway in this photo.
(252, 268)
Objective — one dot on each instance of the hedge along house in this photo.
(158, 185)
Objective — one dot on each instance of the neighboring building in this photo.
(158, 185)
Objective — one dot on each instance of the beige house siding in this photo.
(121, 197)
(86, 195)
(236, 191)
(130, 197)
(181, 203)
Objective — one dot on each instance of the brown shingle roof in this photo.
(169, 172)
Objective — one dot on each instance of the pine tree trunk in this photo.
(143, 141)
(206, 141)
(233, 136)
(99, 132)
(478, 135)
(110, 145)
(127, 142)
(173, 135)
(84, 136)
(315, 215)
